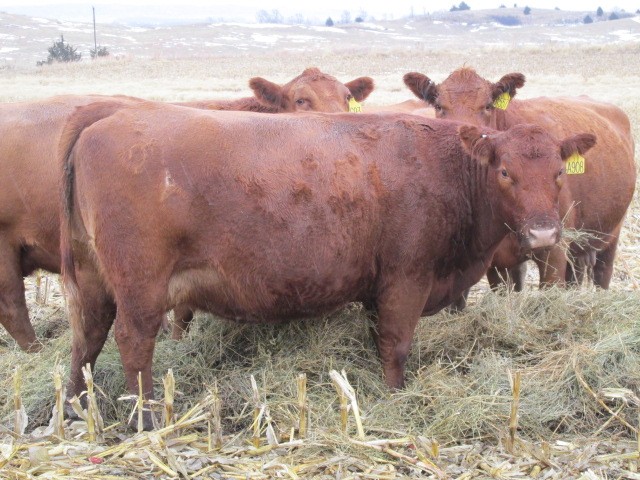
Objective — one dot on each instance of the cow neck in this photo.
(503, 119)
(486, 229)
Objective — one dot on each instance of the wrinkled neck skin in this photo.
(481, 230)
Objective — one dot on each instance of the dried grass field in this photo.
(564, 363)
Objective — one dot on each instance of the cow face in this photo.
(465, 96)
(311, 91)
(525, 174)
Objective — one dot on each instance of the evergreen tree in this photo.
(61, 52)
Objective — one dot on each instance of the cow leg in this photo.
(91, 314)
(603, 268)
(552, 265)
(460, 303)
(518, 274)
(603, 265)
(497, 277)
(14, 315)
(578, 265)
(574, 274)
(182, 317)
(399, 308)
(138, 321)
(513, 277)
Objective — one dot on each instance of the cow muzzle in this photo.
(541, 235)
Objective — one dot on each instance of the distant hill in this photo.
(25, 39)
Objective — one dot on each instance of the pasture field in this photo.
(577, 353)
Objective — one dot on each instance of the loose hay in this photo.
(573, 349)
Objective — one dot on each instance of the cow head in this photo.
(525, 168)
(465, 96)
(311, 91)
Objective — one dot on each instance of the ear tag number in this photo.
(575, 164)
(502, 102)
(354, 106)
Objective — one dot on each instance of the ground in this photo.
(575, 350)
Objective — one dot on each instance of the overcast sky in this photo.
(380, 9)
(399, 5)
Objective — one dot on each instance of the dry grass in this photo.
(570, 348)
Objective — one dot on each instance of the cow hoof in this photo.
(69, 412)
(32, 347)
(148, 421)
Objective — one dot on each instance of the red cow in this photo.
(29, 222)
(30, 132)
(312, 90)
(594, 201)
(262, 218)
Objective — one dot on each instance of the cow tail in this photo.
(82, 118)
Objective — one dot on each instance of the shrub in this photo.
(61, 52)
(587, 19)
(599, 12)
(329, 22)
(526, 10)
(507, 20)
(99, 52)
(613, 16)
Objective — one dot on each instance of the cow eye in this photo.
(300, 101)
(504, 173)
(561, 172)
(349, 97)
(489, 106)
(437, 108)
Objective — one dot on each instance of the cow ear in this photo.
(580, 143)
(478, 145)
(508, 84)
(267, 93)
(421, 86)
(361, 87)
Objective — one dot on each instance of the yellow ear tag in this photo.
(502, 102)
(354, 106)
(575, 164)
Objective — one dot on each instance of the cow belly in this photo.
(262, 297)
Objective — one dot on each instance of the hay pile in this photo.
(577, 354)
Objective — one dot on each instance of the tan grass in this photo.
(572, 349)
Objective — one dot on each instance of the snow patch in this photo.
(328, 29)
(251, 25)
(372, 26)
(270, 39)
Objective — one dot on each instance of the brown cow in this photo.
(312, 90)
(29, 222)
(594, 201)
(30, 131)
(262, 218)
